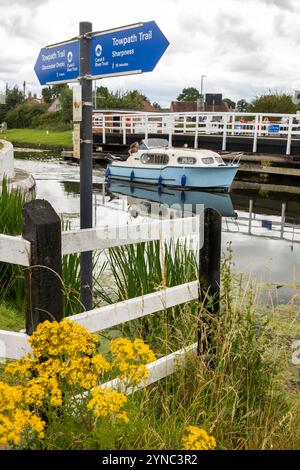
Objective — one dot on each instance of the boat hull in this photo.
(219, 177)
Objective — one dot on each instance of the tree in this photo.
(107, 99)
(242, 106)
(273, 103)
(14, 97)
(156, 106)
(231, 104)
(66, 98)
(189, 94)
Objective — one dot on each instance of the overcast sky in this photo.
(245, 47)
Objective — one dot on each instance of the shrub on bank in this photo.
(53, 122)
(25, 115)
(35, 116)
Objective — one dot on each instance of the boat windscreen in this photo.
(148, 144)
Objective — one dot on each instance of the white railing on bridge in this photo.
(254, 125)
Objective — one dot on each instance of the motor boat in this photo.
(157, 163)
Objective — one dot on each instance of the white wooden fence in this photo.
(16, 250)
(254, 125)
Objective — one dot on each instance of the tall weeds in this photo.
(239, 396)
(11, 276)
(147, 267)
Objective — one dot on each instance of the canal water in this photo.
(264, 227)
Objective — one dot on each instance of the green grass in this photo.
(11, 319)
(38, 138)
(1, 145)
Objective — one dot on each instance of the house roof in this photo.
(183, 107)
(191, 107)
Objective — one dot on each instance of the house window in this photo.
(155, 159)
(186, 160)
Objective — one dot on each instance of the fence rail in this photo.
(255, 125)
(113, 315)
(78, 241)
(14, 250)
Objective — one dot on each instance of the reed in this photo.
(145, 268)
(11, 276)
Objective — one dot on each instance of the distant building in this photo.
(183, 107)
(55, 105)
(213, 103)
(33, 99)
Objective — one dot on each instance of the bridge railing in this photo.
(252, 125)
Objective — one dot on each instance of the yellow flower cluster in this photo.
(130, 358)
(53, 339)
(61, 353)
(105, 402)
(64, 363)
(14, 418)
(198, 439)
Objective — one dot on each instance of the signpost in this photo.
(58, 64)
(127, 50)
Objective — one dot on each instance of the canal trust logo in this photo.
(98, 50)
(70, 57)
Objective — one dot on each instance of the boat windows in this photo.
(154, 144)
(220, 160)
(154, 159)
(186, 160)
(208, 161)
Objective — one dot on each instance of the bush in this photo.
(52, 122)
(273, 103)
(24, 115)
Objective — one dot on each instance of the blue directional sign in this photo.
(58, 63)
(134, 50)
(125, 51)
(274, 129)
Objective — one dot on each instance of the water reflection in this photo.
(184, 201)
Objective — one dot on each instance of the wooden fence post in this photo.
(210, 269)
(43, 287)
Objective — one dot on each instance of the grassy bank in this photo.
(1, 145)
(242, 389)
(37, 138)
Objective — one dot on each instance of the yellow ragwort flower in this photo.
(198, 439)
(106, 402)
